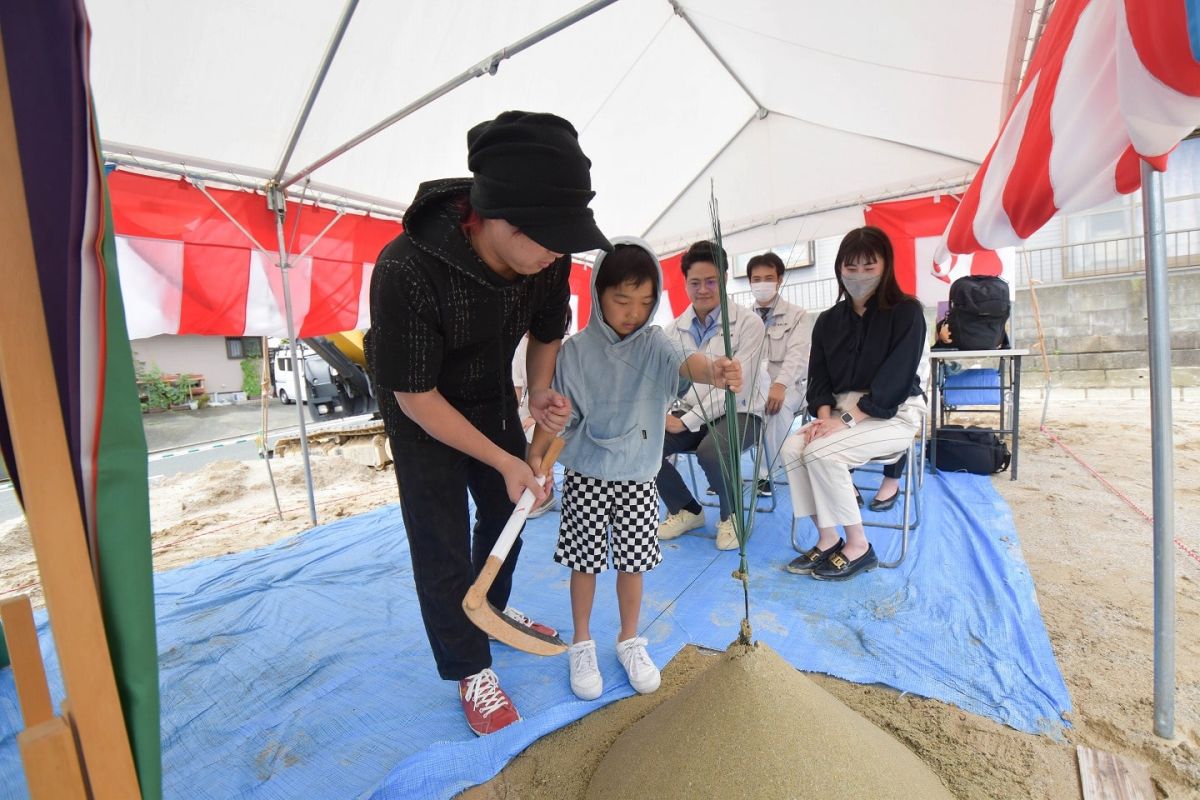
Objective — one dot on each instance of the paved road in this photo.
(9, 508)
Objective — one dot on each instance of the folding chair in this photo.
(911, 487)
(752, 483)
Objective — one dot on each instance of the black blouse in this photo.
(877, 353)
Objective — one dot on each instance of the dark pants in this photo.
(895, 470)
(434, 480)
(710, 449)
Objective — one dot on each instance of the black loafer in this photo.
(838, 568)
(884, 505)
(806, 562)
(858, 497)
(765, 489)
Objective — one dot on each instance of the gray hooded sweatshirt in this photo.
(620, 392)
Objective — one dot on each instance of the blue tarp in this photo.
(302, 669)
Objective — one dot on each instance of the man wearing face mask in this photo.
(787, 345)
(865, 395)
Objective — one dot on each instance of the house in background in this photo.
(218, 359)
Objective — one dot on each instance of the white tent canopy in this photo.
(791, 107)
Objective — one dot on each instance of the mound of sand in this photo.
(752, 726)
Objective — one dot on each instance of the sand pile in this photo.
(752, 726)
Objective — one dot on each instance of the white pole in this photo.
(1163, 465)
(277, 203)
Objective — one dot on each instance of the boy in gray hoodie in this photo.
(621, 376)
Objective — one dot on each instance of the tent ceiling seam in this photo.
(621, 81)
(884, 139)
(866, 62)
(700, 174)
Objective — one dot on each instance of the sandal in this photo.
(839, 568)
(805, 563)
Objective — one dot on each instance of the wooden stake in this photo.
(48, 487)
(16, 615)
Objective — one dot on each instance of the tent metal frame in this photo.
(1162, 459)
(488, 66)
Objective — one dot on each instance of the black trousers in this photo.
(710, 449)
(447, 555)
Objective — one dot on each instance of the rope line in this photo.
(1149, 518)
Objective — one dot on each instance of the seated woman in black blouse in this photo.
(865, 398)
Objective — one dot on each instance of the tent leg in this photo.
(1158, 308)
(278, 204)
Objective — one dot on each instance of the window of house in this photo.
(239, 347)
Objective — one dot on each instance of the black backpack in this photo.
(979, 309)
(972, 449)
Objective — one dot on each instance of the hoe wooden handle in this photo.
(478, 591)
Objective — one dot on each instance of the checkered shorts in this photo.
(590, 506)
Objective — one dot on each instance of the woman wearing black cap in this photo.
(481, 261)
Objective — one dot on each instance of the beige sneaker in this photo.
(679, 523)
(726, 537)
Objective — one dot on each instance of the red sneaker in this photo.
(485, 704)
(517, 616)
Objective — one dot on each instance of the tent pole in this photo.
(1159, 310)
(679, 10)
(323, 70)
(278, 204)
(487, 66)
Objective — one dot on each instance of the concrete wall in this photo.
(195, 355)
(1096, 333)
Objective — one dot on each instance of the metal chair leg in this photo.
(907, 524)
(751, 482)
(792, 533)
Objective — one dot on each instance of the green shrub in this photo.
(159, 393)
(252, 376)
(181, 390)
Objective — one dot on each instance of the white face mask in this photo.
(764, 293)
(861, 287)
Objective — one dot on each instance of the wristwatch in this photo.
(848, 418)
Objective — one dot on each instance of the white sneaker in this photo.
(679, 523)
(726, 535)
(586, 682)
(643, 675)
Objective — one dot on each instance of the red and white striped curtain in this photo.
(186, 268)
(1111, 82)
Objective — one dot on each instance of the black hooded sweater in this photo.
(442, 319)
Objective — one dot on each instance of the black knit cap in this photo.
(530, 171)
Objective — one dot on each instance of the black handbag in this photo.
(972, 449)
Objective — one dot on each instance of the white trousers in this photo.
(819, 473)
(776, 428)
